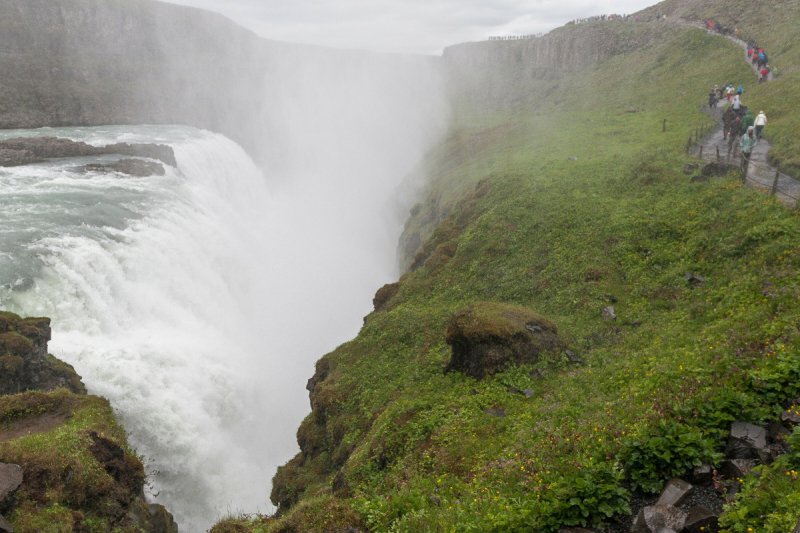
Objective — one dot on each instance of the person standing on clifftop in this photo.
(760, 122)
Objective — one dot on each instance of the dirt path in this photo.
(34, 425)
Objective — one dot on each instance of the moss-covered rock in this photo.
(487, 337)
(24, 360)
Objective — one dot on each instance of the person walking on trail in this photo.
(712, 99)
(764, 74)
(747, 143)
(735, 131)
(760, 122)
(729, 91)
(727, 122)
(747, 121)
(736, 104)
(739, 90)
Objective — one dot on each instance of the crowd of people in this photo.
(737, 120)
(755, 53)
(514, 37)
(622, 18)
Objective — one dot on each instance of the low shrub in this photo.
(668, 449)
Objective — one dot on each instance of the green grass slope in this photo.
(551, 201)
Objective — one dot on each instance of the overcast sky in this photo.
(417, 26)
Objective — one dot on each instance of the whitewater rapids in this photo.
(196, 302)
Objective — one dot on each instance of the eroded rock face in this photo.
(24, 362)
(10, 480)
(488, 337)
(26, 150)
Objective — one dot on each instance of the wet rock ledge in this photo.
(26, 151)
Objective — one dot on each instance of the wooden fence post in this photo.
(775, 183)
(701, 151)
(719, 159)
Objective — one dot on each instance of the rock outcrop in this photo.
(132, 167)
(488, 337)
(24, 361)
(26, 150)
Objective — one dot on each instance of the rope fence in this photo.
(755, 175)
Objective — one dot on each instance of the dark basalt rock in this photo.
(790, 417)
(736, 468)
(702, 520)
(499, 413)
(34, 149)
(728, 489)
(693, 279)
(5, 526)
(24, 362)
(10, 480)
(573, 357)
(659, 519)
(132, 167)
(675, 492)
(702, 475)
(745, 440)
(715, 169)
(488, 337)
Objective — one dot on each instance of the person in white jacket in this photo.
(736, 104)
(761, 121)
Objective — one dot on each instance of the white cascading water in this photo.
(197, 302)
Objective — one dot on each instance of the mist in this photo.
(201, 317)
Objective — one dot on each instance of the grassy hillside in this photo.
(566, 199)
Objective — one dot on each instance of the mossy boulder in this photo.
(24, 361)
(487, 337)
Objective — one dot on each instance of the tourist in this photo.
(747, 120)
(729, 90)
(736, 104)
(735, 131)
(712, 99)
(727, 122)
(748, 143)
(760, 122)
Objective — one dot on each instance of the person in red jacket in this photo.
(764, 73)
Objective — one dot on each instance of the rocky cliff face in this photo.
(496, 72)
(24, 362)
